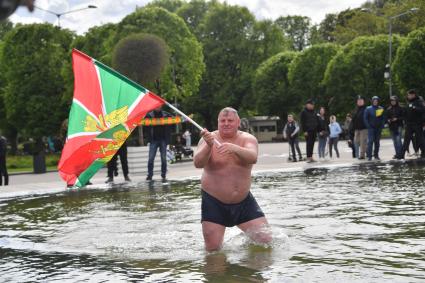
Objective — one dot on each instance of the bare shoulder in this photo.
(247, 137)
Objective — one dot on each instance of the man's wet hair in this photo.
(227, 110)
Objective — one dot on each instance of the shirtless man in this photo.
(226, 181)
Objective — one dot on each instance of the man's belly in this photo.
(227, 186)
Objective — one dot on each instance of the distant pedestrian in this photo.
(395, 124)
(374, 120)
(290, 132)
(349, 133)
(3, 167)
(359, 127)
(159, 137)
(309, 125)
(414, 118)
(334, 132)
(187, 137)
(323, 132)
(113, 164)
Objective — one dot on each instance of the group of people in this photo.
(367, 124)
(363, 128)
(314, 126)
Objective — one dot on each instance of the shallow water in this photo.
(357, 224)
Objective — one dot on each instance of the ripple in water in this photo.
(360, 224)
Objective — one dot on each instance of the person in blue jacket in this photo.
(374, 120)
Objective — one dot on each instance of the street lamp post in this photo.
(58, 15)
(390, 55)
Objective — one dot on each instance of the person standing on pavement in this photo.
(290, 132)
(414, 115)
(3, 167)
(187, 137)
(395, 124)
(309, 125)
(159, 137)
(334, 132)
(113, 164)
(323, 131)
(374, 119)
(359, 127)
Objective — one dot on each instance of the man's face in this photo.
(360, 102)
(410, 96)
(228, 124)
(375, 102)
(393, 102)
(310, 106)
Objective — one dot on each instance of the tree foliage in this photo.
(140, 57)
(409, 65)
(182, 75)
(306, 73)
(31, 60)
(297, 29)
(358, 69)
(272, 89)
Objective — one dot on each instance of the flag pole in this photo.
(189, 119)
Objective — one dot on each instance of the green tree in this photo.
(297, 29)
(31, 60)
(272, 89)
(5, 26)
(234, 45)
(307, 71)
(169, 5)
(409, 64)
(359, 23)
(182, 75)
(358, 69)
(141, 57)
(327, 27)
(193, 13)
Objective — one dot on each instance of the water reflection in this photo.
(364, 223)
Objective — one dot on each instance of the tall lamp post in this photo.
(390, 55)
(58, 15)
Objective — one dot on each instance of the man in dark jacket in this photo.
(395, 124)
(359, 128)
(290, 132)
(374, 120)
(159, 137)
(309, 125)
(414, 117)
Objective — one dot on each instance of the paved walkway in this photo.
(272, 157)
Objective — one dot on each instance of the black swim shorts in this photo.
(229, 215)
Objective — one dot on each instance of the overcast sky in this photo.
(114, 10)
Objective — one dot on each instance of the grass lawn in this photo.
(23, 163)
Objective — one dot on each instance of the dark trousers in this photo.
(153, 147)
(333, 142)
(373, 142)
(3, 171)
(310, 139)
(413, 130)
(293, 143)
(112, 164)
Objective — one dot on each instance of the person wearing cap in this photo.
(359, 128)
(309, 125)
(374, 120)
(414, 115)
(395, 124)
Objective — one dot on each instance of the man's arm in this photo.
(247, 153)
(366, 118)
(204, 150)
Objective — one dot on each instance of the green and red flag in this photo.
(105, 109)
